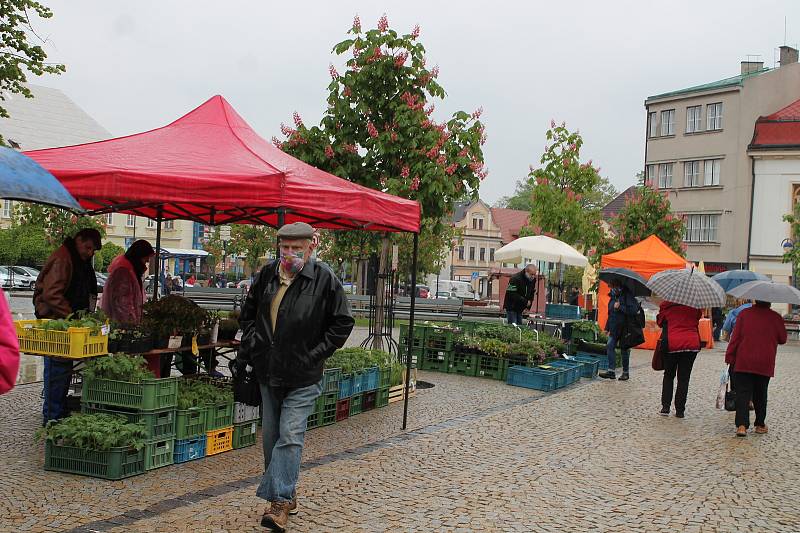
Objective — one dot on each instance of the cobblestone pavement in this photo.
(479, 456)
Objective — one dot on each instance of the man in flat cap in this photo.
(294, 317)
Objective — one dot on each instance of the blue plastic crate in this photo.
(370, 379)
(190, 449)
(591, 365)
(575, 368)
(532, 378)
(358, 383)
(566, 376)
(562, 311)
(345, 386)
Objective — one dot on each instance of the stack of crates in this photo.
(438, 349)
(382, 398)
(151, 401)
(245, 425)
(418, 344)
(326, 405)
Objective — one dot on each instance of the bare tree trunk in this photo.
(380, 294)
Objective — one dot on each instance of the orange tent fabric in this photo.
(647, 258)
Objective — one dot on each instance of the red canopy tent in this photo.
(211, 167)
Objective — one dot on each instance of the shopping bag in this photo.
(658, 356)
(730, 398)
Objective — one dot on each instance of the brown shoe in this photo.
(741, 431)
(761, 429)
(293, 510)
(277, 516)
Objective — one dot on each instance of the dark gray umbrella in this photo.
(733, 278)
(634, 281)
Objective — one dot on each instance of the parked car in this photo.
(244, 284)
(19, 274)
(423, 291)
(101, 280)
(11, 280)
(30, 271)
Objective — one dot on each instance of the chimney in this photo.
(788, 55)
(749, 67)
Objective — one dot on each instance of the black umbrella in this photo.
(634, 281)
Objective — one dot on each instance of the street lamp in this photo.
(788, 246)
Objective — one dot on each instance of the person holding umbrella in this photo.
(625, 285)
(753, 348)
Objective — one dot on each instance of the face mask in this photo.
(292, 262)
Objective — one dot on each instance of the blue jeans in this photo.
(284, 422)
(57, 376)
(513, 317)
(611, 351)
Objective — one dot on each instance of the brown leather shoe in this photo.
(277, 516)
(741, 431)
(293, 510)
(761, 429)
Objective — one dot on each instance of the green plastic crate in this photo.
(385, 379)
(434, 359)
(219, 416)
(313, 421)
(146, 395)
(330, 380)
(159, 424)
(244, 434)
(116, 463)
(325, 407)
(489, 366)
(158, 453)
(419, 336)
(463, 363)
(355, 404)
(439, 339)
(190, 422)
(382, 399)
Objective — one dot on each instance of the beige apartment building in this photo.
(696, 152)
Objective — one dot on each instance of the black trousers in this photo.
(750, 387)
(679, 363)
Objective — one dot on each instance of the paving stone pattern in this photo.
(478, 456)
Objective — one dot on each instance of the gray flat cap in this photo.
(296, 230)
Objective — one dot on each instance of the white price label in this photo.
(105, 329)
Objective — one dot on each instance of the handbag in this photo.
(245, 384)
(632, 335)
(730, 399)
(658, 356)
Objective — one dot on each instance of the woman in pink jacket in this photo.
(123, 293)
(9, 347)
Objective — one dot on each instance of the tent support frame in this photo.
(410, 343)
(157, 273)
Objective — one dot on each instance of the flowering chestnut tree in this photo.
(562, 191)
(380, 130)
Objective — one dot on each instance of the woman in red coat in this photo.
(9, 347)
(751, 352)
(680, 338)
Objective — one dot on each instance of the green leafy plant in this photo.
(118, 367)
(173, 315)
(81, 319)
(94, 432)
(194, 393)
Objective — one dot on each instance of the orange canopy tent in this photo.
(647, 258)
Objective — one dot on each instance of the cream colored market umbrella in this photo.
(540, 248)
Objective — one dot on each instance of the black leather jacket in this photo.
(313, 321)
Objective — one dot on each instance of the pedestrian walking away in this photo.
(520, 293)
(9, 347)
(680, 340)
(752, 350)
(66, 284)
(622, 306)
(295, 316)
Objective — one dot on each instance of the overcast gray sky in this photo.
(138, 65)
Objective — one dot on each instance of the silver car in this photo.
(12, 280)
(28, 279)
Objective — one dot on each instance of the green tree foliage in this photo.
(522, 199)
(58, 224)
(213, 245)
(646, 212)
(18, 57)
(103, 258)
(252, 242)
(379, 131)
(563, 191)
(792, 255)
(25, 245)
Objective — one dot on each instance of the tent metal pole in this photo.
(281, 218)
(410, 343)
(157, 273)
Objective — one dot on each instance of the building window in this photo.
(693, 118)
(477, 223)
(651, 175)
(714, 113)
(169, 224)
(483, 254)
(691, 174)
(131, 221)
(652, 126)
(491, 254)
(109, 219)
(7, 209)
(151, 223)
(472, 253)
(461, 253)
(712, 167)
(701, 228)
(665, 175)
(668, 122)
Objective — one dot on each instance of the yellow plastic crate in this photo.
(75, 343)
(219, 440)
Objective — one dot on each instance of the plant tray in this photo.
(355, 404)
(190, 449)
(158, 453)
(191, 422)
(245, 413)
(219, 440)
(116, 463)
(492, 367)
(370, 378)
(219, 416)
(145, 395)
(532, 378)
(345, 385)
(159, 424)
(591, 365)
(245, 434)
(343, 409)
(330, 380)
(382, 398)
(75, 343)
(463, 363)
(437, 360)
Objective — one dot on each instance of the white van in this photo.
(450, 289)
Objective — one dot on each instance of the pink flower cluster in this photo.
(463, 152)
(411, 101)
(286, 130)
(329, 151)
(405, 171)
(400, 59)
(450, 169)
(383, 181)
(297, 120)
(332, 70)
(350, 148)
(278, 144)
(477, 113)
(415, 183)
(435, 71)
(552, 123)
(430, 109)
(347, 92)
(357, 24)
(372, 130)
(565, 162)
(415, 32)
(377, 54)
(441, 160)
(383, 23)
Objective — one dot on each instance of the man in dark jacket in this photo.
(621, 306)
(520, 293)
(295, 316)
(66, 285)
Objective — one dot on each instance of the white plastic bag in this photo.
(723, 387)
